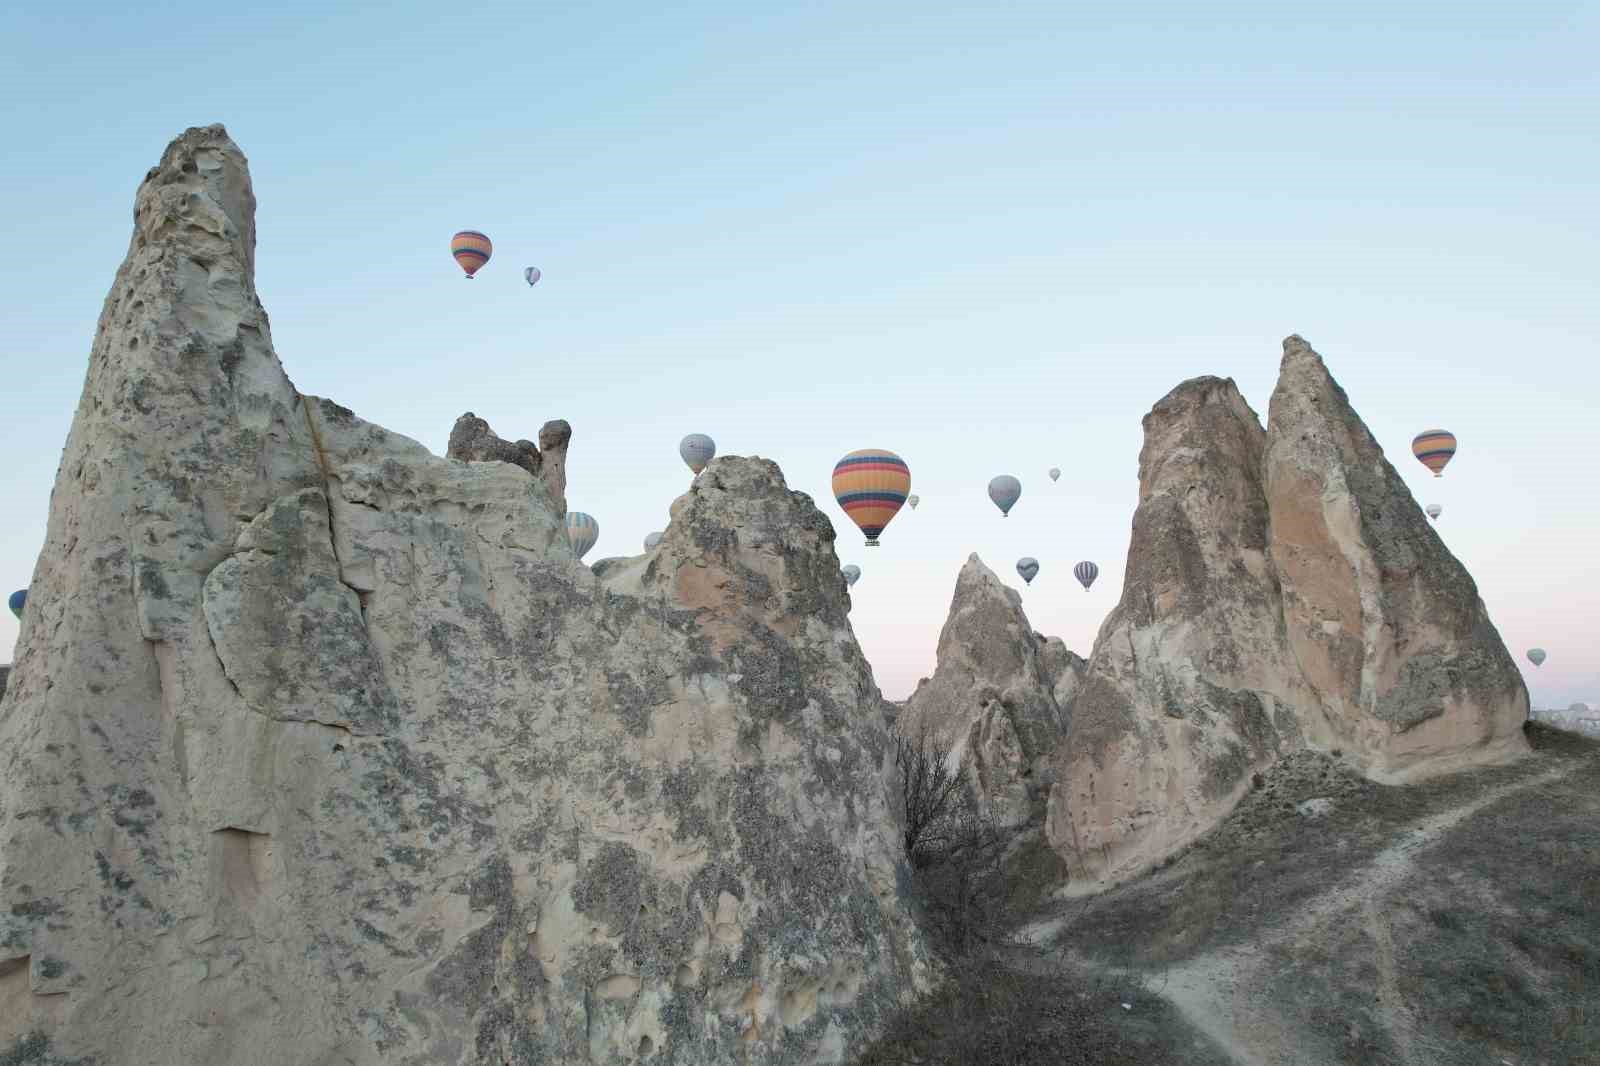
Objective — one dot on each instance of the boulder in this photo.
(323, 749)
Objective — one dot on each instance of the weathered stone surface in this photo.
(1386, 623)
(1191, 686)
(993, 694)
(471, 440)
(323, 749)
(553, 440)
(5, 672)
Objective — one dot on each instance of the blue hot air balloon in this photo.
(1005, 491)
(852, 573)
(1028, 567)
(18, 599)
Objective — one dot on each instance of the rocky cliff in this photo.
(1283, 590)
(323, 749)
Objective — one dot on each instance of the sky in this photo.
(986, 236)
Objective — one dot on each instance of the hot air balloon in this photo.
(471, 250)
(697, 450)
(1055, 473)
(18, 599)
(1433, 448)
(532, 276)
(1086, 572)
(1005, 491)
(1028, 567)
(852, 574)
(651, 540)
(1536, 656)
(582, 532)
(871, 485)
(1434, 510)
(913, 500)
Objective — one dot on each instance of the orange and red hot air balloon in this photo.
(871, 485)
(1433, 448)
(471, 250)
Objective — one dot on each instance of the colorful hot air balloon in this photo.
(1536, 656)
(871, 485)
(1028, 567)
(532, 276)
(17, 601)
(582, 532)
(913, 500)
(651, 540)
(1086, 572)
(1005, 491)
(1434, 448)
(852, 574)
(697, 450)
(471, 250)
(1055, 473)
(1434, 510)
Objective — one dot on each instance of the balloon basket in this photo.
(872, 542)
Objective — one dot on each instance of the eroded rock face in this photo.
(473, 441)
(321, 748)
(1386, 622)
(993, 694)
(1191, 686)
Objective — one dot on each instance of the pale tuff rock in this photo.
(1191, 686)
(1386, 623)
(471, 440)
(323, 749)
(993, 695)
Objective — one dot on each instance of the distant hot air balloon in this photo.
(871, 485)
(1434, 510)
(1086, 572)
(1055, 473)
(1434, 448)
(471, 250)
(697, 450)
(1028, 566)
(852, 574)
(913, 500)
(1536, 656)
(532, 275)
(17, 601)
(582, 532)
(651, 540)
(1005, 491)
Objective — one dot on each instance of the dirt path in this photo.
(1227, 994)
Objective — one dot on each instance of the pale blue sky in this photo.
(988, 237)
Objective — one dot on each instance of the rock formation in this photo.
(5, 671)
(1283, 589)
(472, 440)
(1386, 623)
(993, 695)
(322, 749)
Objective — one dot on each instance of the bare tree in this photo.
(931, 791)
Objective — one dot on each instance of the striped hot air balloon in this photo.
(1433, 448)
(871, 485)
(18, 600)
(1086, 572)
(471, 250)
(582, 532)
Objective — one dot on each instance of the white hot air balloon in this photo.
(1434, 511)
(532, 276)
(651, 540)
(913, 500)
(1055, 473)
(697, 450)
(1028, 567)
(852, 573)
(1005, 491)
(582, 532)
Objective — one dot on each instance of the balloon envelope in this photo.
(18, 599)
(1055, 473)
(852, 574)
(1434, 448)
(1005, 491)
(1086, 572)
(1028, 566)
(913, 500)
(533, 275)
(1536, 656)
(582, 532)
(871, 485)
(697, 450)
(651, 540)
(471, 250)
(1434, 511)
